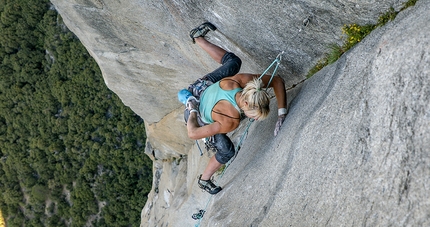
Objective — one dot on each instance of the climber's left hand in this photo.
(281, 119)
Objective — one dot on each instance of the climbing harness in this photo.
(199, 215)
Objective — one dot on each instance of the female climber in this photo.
(214, 103)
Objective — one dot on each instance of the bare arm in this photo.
(197, 132)
(279, 88)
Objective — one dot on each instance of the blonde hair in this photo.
(257, 98)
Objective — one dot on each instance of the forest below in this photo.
(71, 153)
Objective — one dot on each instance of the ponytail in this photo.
(257, 98)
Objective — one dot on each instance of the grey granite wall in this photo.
(355, 147)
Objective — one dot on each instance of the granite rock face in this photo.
(355, 147)
(146, 55)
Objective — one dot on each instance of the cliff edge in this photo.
(355, 147)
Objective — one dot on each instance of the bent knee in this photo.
(223, 158)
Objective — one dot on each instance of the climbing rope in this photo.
(199, 215)
(277, 61)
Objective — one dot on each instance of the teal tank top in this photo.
(211, 96)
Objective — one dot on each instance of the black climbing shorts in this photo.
(224, 148)
(230, 66)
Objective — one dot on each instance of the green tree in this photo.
(64, 136)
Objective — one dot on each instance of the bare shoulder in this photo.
(226, 115)
(228, 124)
(244, 78)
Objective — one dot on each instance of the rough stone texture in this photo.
(355, 147)
(146, 56)
(165, 140)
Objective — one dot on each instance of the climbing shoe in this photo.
(201, 30)
(208, 186)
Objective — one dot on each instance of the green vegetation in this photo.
(355, 33)
(70, 152)
(221, 170)
(408, 4)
